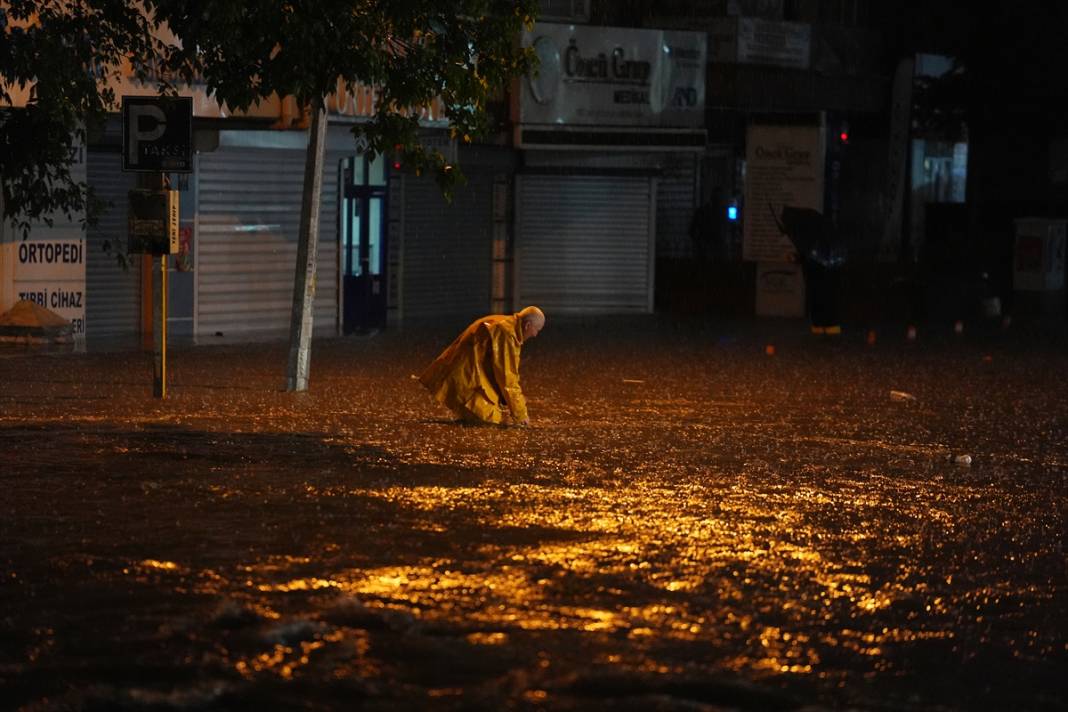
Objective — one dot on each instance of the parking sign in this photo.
(157, 133)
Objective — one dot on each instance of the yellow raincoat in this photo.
(477, 376)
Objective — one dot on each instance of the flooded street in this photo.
(690, 523)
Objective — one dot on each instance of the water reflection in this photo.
(721, 516)
(714, 566)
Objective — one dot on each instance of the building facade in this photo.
(586, 203)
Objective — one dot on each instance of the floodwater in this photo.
(691, 523)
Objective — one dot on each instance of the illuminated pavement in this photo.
(690, 524)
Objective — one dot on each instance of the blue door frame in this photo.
(363, 223)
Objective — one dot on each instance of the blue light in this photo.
(732, 212)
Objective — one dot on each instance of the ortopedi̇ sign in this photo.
(52, 274)
(615, 77)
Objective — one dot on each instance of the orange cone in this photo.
(769, 350)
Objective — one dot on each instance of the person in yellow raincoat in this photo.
(477, 376)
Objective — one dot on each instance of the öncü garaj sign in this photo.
(614, 77)
(618, 68)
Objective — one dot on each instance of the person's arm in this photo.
(506, 373)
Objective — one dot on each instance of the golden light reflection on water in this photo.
(808, 531)
(308, 584)
(161, 565)
(286, 660)
(763, 577)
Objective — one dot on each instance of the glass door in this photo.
(363, 244)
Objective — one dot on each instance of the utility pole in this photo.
(300, 320)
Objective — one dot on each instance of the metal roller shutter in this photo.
(113, 294)
(676, 188)
(447, 250)
(247, 223)
(584, 244)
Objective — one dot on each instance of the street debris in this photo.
(31, 323)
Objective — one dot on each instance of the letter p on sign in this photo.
(141, 117)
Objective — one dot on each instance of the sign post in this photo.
(157, 135)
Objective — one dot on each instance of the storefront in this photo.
(113, 280)
(239, 224)
(446, 249)
(610, 130)
(247, 194)
(603, 167)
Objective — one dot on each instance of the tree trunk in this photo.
(300, 321)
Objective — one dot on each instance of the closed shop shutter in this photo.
(247, 225)
(676, 188)
(113, 294)
(447, 250)
(584, 244)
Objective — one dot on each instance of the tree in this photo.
(413, 52)
(463, 52)
(56, 59)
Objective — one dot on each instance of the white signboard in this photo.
(783, 44)
(48, 267)
(780, 289)
(749, 40)
(612, 76)
(783, 167)
(52, 274)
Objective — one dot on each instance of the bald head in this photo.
(532, 319)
